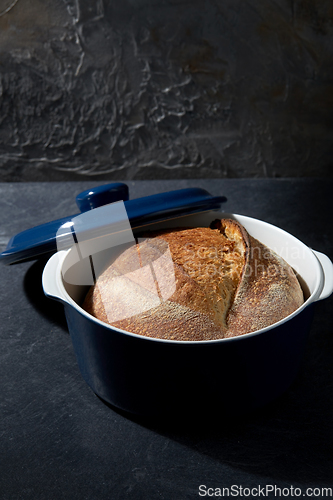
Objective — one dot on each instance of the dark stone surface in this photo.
(59, 441)
(141, 89)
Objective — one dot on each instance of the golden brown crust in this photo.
(268, 292)
(195, 284)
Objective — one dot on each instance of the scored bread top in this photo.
(195, 284)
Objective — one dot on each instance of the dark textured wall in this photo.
(159, 89)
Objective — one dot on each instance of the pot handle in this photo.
(49, 277)
(327, 266)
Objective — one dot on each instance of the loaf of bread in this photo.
(195, 284)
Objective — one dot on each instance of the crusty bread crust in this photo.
(195, 284)
(268, 292)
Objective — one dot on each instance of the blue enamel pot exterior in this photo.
(147, 376)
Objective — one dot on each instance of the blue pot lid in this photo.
(41, 240)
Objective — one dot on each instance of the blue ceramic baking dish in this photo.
(148, 376)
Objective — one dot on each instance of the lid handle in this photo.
(102, 195)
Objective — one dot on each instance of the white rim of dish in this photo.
(65, 297)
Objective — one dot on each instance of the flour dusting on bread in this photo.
(195, 284)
